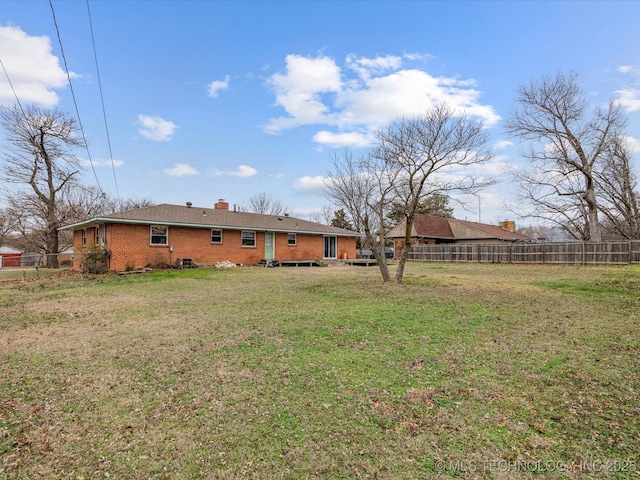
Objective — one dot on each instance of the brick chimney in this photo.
(508, 225)
(221, 205)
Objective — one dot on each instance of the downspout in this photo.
(106, 250)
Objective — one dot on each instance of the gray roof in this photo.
(198, 217)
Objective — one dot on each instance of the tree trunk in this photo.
(53, 242)
(406, 246)
(594, 224)
(381, 259)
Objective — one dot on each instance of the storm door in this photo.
(268, 245)
(329, 247)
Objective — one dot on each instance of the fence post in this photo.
(559, 252)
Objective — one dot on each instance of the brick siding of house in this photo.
(130, 247)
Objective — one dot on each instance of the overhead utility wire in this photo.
(12, 89)
(73, 95)
(104, 114)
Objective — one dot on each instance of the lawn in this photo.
(463, 371)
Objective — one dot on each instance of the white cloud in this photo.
(156, 128)
(408, 93)
(495, 168)
(352, 139)
(365, 67)
(244, 171)
(633, 144)
(502, 144)
(180, 169)
(310, 184)
(100, 163)
(551, 148)
(315, 91)
(34, 71)
(217, 86)
(299, 91)
(418, 56)
(629, 99)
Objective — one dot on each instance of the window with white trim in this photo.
(292, 239)
(96, 237)
(216, 236)
(84, 237)
(159, 235)
(248, 239)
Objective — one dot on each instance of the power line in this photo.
(104, 114)
(6, 74)
(73, 96)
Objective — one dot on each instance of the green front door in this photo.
(268, 245)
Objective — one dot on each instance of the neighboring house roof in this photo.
(198, 217)
(8, 250)
(451, 229)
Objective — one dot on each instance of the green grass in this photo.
(463, 371)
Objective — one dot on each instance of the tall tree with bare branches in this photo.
(266, 204)
(617, 186)
(7, 225)
(567, 140)
(432, 154)
(324, 215)
(361, 187)
(413, 160)
(39, 159)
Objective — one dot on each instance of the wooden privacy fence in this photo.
(582, 253)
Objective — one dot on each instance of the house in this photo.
(430, 229)
(185, 235)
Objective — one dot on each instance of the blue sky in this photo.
(211, 99)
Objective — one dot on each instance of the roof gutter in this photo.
(99, 220)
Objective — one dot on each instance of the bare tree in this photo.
(567, 140)
(29, 228)
(545, 233)
(414, 160)
(7, 225)
(431, 154)
(266, 204)
(553, 197)
(122, 205)
(324, 216)
(617, 190)
(435, 204)
(39, 159)
(74, 203)
(360, 188)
